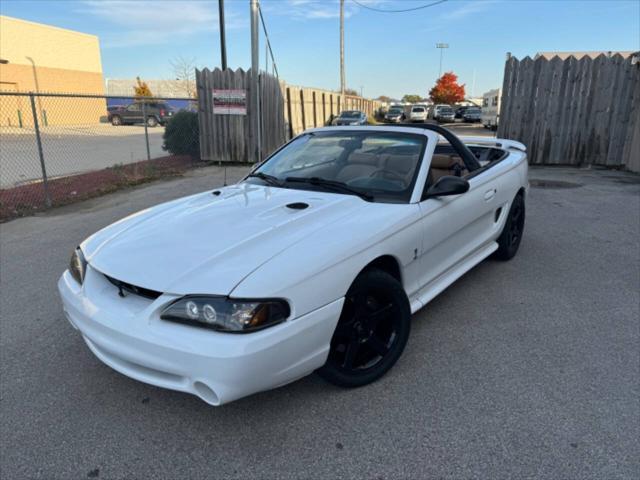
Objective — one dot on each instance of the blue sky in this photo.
(386, 53)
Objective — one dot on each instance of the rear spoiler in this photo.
(496, 142)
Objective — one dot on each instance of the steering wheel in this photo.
(387, 173)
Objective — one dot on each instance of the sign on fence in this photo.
(229, 102)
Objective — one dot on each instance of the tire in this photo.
(372, 331)
(152, 122)
(116, 121)
(511, 236)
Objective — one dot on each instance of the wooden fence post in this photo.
(315, 111)
(304, 123)
(289, 112)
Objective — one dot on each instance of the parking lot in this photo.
(521, 369)
(69, 150)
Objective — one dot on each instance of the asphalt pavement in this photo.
(523, 369)
(70, 149)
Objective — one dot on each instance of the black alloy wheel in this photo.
(371, 333)
(511, 236)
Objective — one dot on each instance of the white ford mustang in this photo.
(315, 261)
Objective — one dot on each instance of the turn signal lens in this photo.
(225, 314)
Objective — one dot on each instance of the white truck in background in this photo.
(491, 109)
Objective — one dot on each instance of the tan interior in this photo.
(446, 164)
(365, 164)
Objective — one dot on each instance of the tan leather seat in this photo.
(402, 165)
(445, 164)
(359, 165)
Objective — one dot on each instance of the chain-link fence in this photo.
(56, 148)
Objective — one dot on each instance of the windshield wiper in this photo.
(323, 182)
(270, 179)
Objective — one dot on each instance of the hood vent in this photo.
(297, 205)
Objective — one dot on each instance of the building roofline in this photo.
(53, 27)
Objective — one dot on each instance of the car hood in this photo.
(209, 243)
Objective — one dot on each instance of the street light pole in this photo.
(441, 46)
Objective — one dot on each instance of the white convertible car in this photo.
(313, 262)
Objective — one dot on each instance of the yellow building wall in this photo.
(46, 59)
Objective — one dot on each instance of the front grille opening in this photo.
(124, 288)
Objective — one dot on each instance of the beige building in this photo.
(46, 59)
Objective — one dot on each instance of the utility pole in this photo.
(342, 82)
(441, 46)
(223, 39)
(255, 79)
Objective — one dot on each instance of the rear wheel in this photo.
(152, 122)
(511, 236)
(116, 121)
(372, 331)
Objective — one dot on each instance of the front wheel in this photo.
(372, 331)
(116, 121)
(511, 236)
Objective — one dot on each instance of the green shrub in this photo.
(182, 134)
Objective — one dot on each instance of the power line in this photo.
(398, 11)
(266, 36)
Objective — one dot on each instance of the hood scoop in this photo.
(297, 205)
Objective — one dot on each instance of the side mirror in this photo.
(445, 186)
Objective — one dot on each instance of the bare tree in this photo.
(184, 71)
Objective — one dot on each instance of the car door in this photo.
(133, 113)
(455, 228)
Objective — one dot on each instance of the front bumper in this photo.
(128, 335)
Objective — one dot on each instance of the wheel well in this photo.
(388, 264)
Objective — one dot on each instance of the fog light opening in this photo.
(206, 394)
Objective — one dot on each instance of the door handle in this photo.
(489, 194)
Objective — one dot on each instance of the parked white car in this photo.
(315, 261)
(418, 113)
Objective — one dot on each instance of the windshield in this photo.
(417, 109)
(446, 110)
(472, 110)
(395, 111)
(350, 114)
(381, 164)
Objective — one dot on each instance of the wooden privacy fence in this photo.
(310, 107)
(286, 111)
(231, 138)
(574, 112)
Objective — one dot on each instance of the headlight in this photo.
(77, 265)
(227, 314)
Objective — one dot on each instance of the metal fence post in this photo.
(146, 133)
(45, 182)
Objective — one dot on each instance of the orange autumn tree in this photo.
(447, 90)
(142, 89)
